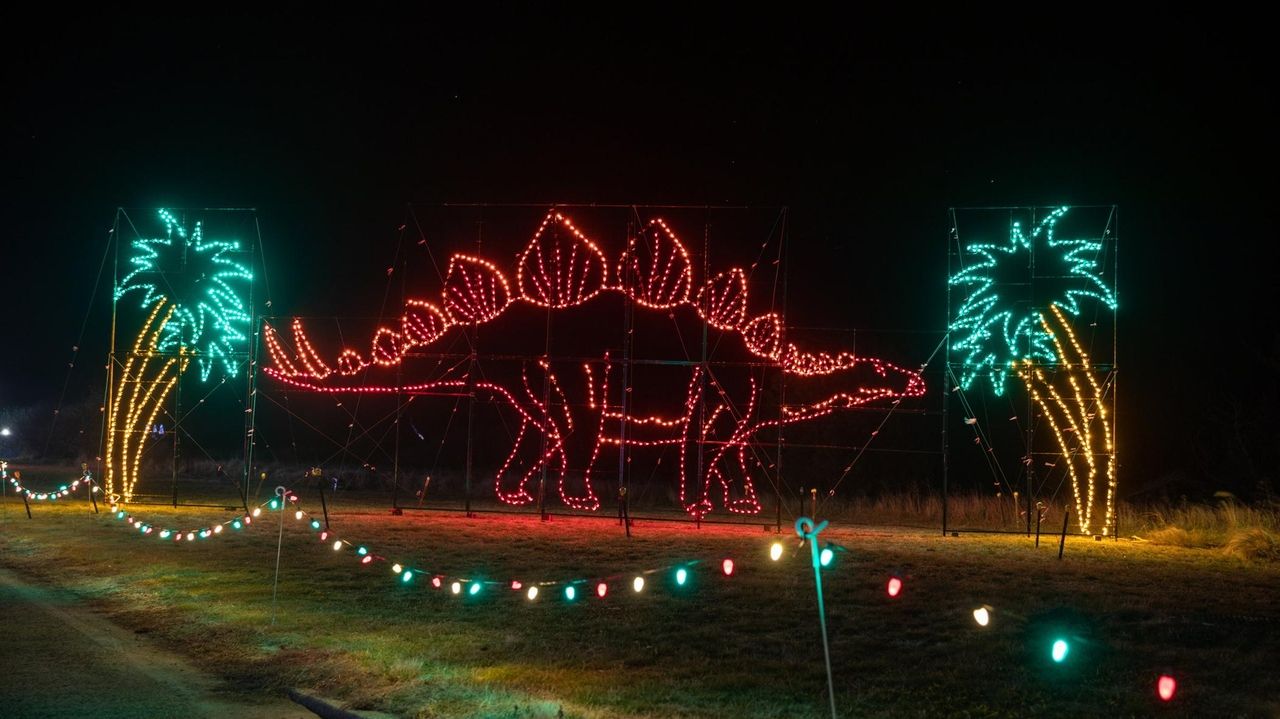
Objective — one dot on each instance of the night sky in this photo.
(867, 134)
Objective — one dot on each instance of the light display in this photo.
(996, 336)
(194, 291)
(561, 267)
(1073, 418)
(63, 490)
(991, 335)
(208, 317)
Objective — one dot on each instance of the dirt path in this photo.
(59, 659)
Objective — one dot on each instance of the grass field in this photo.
(742, 646)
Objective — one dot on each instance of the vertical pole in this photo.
(324, 506)
(702, 359)
(471, 419)
(1037, 529)
(627, 329)
(26, 504)
(89, 485)
(395, 463)
(1115, 369)
(177, 437)
(255, 321)
(111, 349)
(1028, 462)
(782, 373)
(546, 402)
(471, 395)
(953, 236)
(1062, 542)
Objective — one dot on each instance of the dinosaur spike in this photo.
(349, 362)
(560, 267)
(422, 323)
(278, 355)
(655, 269)
(307, 354)
(474, 290)
(763, 336)
(722, 301)
(387, 347)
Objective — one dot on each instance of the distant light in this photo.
(727, 566)
(637, 584)
(775, 551)
(894, 587)
(826, 556)
(682, 576)
(1166, 686)
(533, 593)
(982, 616)
(5, 432)
(602, 589)
(1060, 649)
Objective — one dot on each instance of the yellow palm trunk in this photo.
(1072, 401)
(139, 396)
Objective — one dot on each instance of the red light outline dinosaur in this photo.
(561, 268)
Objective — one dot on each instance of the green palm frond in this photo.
(989, 333)
(210, 316)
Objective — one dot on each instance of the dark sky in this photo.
(867, 130)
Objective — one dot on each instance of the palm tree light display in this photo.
(1036, 342)
(196, 313)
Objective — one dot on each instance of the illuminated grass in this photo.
(742, 646)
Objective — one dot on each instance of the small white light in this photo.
(637, 583)
(982, 616)
(337, 546)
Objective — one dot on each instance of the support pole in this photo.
(1062, 542)
(177, 437)
(89, 485)
(324, 505)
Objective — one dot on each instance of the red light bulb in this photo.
(894, 587)
(1166, 686)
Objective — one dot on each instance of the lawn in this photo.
(742, 646)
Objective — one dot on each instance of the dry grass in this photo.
(743, 647)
